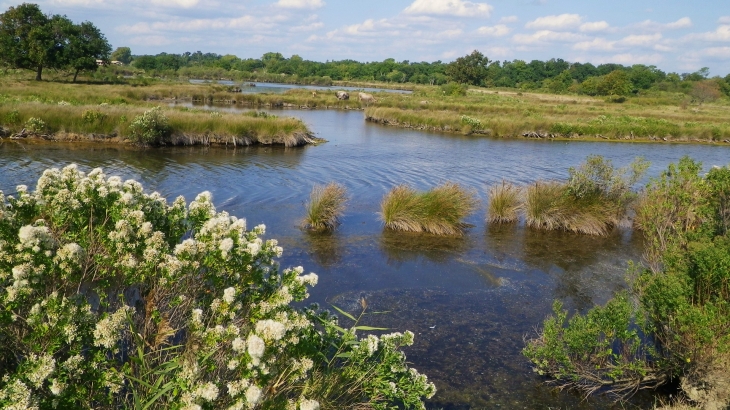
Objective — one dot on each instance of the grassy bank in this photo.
(661, 117)
(113, 122)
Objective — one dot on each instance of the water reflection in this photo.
(399, 247)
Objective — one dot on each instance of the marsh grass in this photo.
(505, 203)
(188, 127)
(325, 207)
(439, 211)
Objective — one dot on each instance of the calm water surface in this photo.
(469, 300)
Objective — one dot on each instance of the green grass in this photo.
(325, 207)
(439, 211)
(505, 203)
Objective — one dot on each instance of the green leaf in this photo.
(345, 313)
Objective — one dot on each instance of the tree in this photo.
(122, 54)
(26, 39)
(86, 45)
(470, 69)
(707, 90)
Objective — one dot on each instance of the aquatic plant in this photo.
(439, 211)
(674, 322)
(325, 207)
(505, 203)
(112, 298)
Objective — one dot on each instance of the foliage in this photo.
(474, 123)
(31, 40)
(705, 91)
(150, 128)
(683, 299)
(439, 211)
(325, 207)
(112, 298)
(470, 69)
(454, 89)
(35, 125)
(122, 54)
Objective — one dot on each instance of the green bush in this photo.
(92, 116)
(113, 298)
(150, 128)
(35, 125)
(454, 89)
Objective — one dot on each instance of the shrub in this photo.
(439, 211)
(92, 116)
(474, 123)
(454, 89)
(683, 302)
(112, 298)
(150, 128)
(325, 207)
(35, 125)
(505, 202)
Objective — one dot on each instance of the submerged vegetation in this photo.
(439, 211)
(113, 298)
(325, 207)
(674, 322)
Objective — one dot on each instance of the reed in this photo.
(505, 203)
(439, 211)
(325, 207)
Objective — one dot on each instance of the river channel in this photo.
(470, 301)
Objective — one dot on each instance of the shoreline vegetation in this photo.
(650, 117)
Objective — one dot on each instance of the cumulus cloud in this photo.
(459, 8)
(724, 20)
(176, 3)
(300, 4)
(509, 19)
(307, 27)
(244, 23)
(594, 26)
(499, 30)
(721, 34)
(547, 36)
(717, 52)
(559, 22)
(597, 44)
(684, 22)
(640, 40)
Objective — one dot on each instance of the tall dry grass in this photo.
(505, 203)
(326, 206)
(439, 211)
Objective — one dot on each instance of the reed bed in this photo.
(439, 211)
(326, 206)
(189, 127)
(505, 203)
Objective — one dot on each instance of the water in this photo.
(248, 87)
(470, 301)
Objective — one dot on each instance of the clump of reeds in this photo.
(439, 211)
(545, 205)
(325, 207)
(505, 203)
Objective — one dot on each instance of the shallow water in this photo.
(469, 300)
(248, 87)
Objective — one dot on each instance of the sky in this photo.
(674, 35)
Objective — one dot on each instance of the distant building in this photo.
(113, 62)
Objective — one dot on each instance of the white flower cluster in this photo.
(270, 330)
(108, 330)
(306, 404)
(42, 366)
(36, 238)
(18, 396)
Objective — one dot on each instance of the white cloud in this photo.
(307, 27)
(509, 19)
(724, 20)
(641, 40)
(717, 52)
(176, 3)
(631, 59)
(451, 33)
(499, 30)
(594, 26)
(721, 34)
(597, 44)
(300, 4)
(246, 23)
(684, 22)
(559, 22)
(459, 8)
(547, 36)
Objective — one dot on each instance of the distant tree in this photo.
(705, 91)
(145, 62)
(27, 39)
(86, 45)
(123, 55)
(615, 83)
(559, 83)
(470, 69)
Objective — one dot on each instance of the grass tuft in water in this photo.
(439, 211)
(504, 203)
(325, 207)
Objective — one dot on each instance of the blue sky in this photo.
(679, 36)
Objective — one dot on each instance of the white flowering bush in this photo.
(111, 297)
(152, 127)
(35, 125)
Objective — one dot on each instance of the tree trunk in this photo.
(38, 73)
(75, 75)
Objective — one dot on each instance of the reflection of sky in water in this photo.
(482, 293)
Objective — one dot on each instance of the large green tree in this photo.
(32, 40)
(470, 69)
(122, 54)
